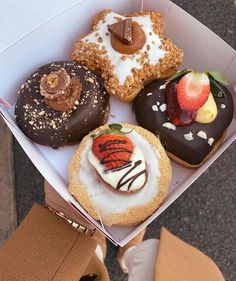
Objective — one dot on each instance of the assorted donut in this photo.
(60, 103)
(190, 113)
(120, 173)
(128, 51)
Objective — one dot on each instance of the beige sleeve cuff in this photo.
(45, 247)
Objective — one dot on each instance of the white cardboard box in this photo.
(53, 40)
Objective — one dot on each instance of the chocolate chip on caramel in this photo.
(138, 40)
(122, 30)
(60, 92)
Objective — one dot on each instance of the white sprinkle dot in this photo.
(169, 125)
(223, 106)
(162, 87)
(189, 136)
(202, 135)
(154, 108)
(210, 141)
(162, 107)
(149, 94)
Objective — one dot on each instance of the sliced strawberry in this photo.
(193, 91)
(176, 115)
(113, 150)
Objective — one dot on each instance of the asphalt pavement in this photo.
(204, 215)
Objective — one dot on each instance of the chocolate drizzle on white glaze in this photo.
(110, 145)
(123, 179)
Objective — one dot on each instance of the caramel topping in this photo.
(60, 92)
(122, 30)
(138, 40)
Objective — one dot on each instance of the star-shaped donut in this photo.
(128, 51)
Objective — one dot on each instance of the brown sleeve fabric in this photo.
(178, 261)
(45, 247)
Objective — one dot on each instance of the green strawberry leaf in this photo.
(115, 126)
(220, 77)
(216, 89)
(178, 75)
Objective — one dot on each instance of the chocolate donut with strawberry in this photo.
(190, 113)
(120, 174)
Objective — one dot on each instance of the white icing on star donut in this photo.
(123, 68)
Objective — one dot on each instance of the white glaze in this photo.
(112, 178)
(109, 202)
(123, 68)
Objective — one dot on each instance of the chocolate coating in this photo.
(46, 126)
(193, 151)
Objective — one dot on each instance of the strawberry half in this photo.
(175, 113)
(193, 91)
(113, 150)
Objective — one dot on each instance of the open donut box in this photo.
(202, 50)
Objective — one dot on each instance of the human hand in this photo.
(55, 201)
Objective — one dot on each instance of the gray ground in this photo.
(205, 214)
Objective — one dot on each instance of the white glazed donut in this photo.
(121, 208)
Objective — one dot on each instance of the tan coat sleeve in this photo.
(178, 261)
(45, 247)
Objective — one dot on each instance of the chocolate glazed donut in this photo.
(47, 126)
(192, 152)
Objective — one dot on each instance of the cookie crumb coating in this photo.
(96, 55)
